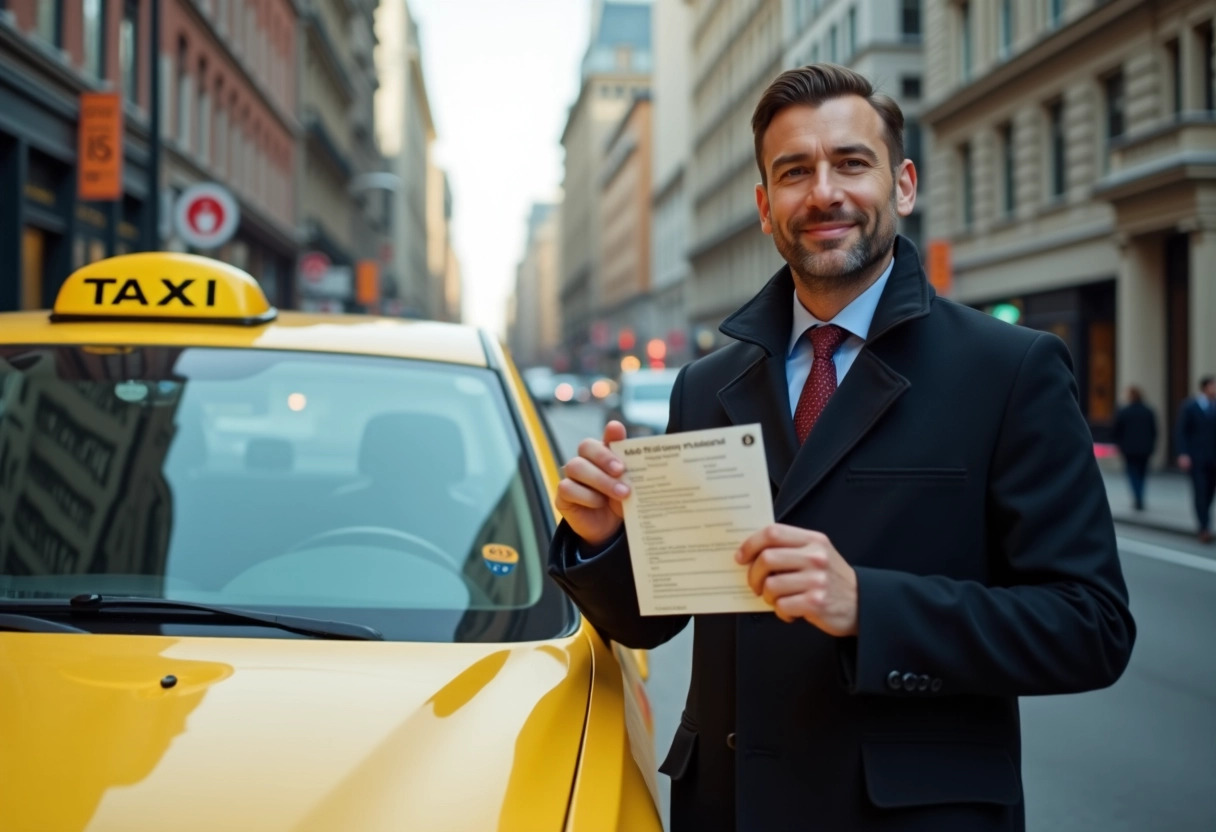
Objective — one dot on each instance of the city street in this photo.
(1136, 757)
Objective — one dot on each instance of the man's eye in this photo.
(793, 172)
(854, 163)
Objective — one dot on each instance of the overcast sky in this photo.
(501, 76)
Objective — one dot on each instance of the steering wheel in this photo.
(387, 538)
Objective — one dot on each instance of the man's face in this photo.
(832, 198)
(1209, 390)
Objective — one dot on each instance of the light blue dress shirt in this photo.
(854, 318)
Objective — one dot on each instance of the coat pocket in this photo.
(679, 758)
(918, 475)
(903, 774)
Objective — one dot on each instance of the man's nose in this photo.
(825, 190)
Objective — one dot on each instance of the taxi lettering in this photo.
(131, 291)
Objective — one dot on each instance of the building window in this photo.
(851, 26)
(1005, 40)
(968, 207)
(910, 19)
(185, 97)
(94, 36)
(964, 39)
(204, 115)
(1174, 57)
(1056, 139)
(1008, 171)
(1204, 33)
(50, 21)
(814, 53)
(1116, 107)
(221, 133)
(1055, 12)
(128, 49)
(909, 87)
(833, 49)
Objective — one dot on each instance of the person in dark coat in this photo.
(942, 545)
(1195, 439)
(1136, 437)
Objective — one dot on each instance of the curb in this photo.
(1156, 525)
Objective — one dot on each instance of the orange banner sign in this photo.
(367, 282)
(100, 147)
(939, 268)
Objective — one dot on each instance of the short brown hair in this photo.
(814, 84)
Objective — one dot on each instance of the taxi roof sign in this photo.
(162, 286)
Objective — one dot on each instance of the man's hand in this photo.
(1184, 462)
(801, 575)
(590, 493)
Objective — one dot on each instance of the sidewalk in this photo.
(1167, 501)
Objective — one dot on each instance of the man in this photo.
(1196, 441)
(1136, 437)
(943, 543)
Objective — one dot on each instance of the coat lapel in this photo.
(759, 394)
(868, 391)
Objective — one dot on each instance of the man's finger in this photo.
(598, 453)
(774, 535)
(781, 584)
(572, 493)
(583, 471)
(777, 560)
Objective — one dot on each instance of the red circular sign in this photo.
(313, 266)
(206, 215)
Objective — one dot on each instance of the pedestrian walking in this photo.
(943, 542)
(1136, 438)
(1196, 443)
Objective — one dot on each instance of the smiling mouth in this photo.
(827, 231)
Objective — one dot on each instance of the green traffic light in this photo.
(1007, 312)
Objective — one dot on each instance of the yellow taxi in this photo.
(268, 571)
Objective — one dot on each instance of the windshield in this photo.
(380, 491)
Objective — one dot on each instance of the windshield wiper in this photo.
(32, 624)
(92, 603)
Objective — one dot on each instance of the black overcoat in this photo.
(953, 469)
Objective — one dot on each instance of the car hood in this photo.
(286, 735)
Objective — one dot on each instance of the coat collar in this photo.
(759, 394)
(765, 320)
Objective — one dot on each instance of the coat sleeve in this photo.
(1053, 618)
(602, 585)
(1182, 431)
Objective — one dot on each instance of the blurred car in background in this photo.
(540, 382)
(571, 389)
(643, 401)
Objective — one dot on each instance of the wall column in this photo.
(1140, 337)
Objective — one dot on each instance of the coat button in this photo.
(730, 740)
(909, 682)
(935, 685)
(894, 680)
(922, 683)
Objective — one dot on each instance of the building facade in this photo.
(1073, 159)
(671, 144)
(624, 291)
(406, 130)
(881, 39)
(342, 218)
(533, 330)
(227, 102)
(615, 68)
(737, 49)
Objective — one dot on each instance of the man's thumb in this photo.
(613, 431)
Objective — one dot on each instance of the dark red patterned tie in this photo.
(821, 383)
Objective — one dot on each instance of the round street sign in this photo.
(314, 265)
(206, 215)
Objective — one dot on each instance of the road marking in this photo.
(1150, 550)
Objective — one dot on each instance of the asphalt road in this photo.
(1137, 757)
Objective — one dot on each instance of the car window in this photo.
(385, 491)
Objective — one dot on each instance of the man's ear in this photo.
(905, 188)
(766, 219)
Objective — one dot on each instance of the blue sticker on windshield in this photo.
(499, 559)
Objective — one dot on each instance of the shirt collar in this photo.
(854, 318)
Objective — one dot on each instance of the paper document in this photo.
(696, 497)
